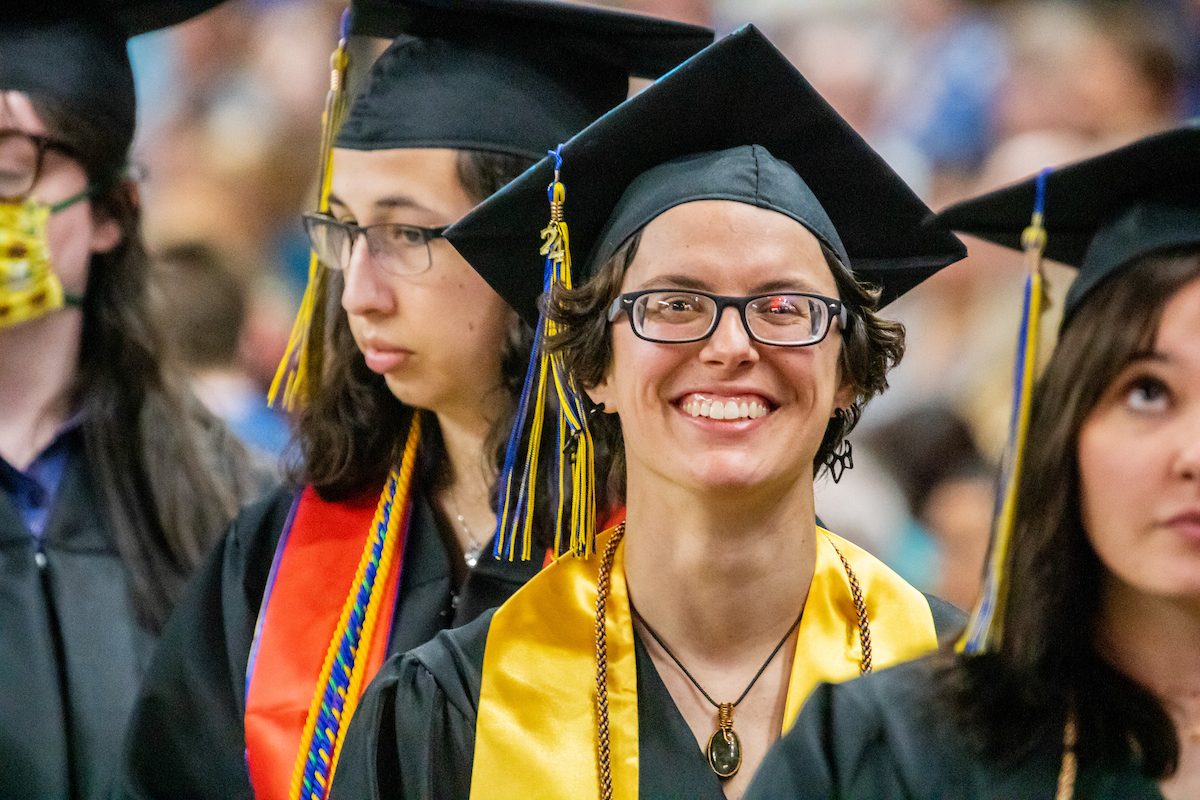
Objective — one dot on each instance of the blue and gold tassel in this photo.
(299, 371)
(986, 627)
(575, 452)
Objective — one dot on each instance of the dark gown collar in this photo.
(670, 763)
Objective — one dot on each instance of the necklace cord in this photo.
(696, 683)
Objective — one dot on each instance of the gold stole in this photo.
(535, 735)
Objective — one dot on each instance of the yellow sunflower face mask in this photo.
(28, 286)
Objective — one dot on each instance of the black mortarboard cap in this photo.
(75, 52)
(1102, 213)
(737, 122)
(509, 76)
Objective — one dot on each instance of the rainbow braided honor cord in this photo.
(344, 673)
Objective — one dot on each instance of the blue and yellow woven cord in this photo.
(343, 674)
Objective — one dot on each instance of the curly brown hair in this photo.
(871, 346)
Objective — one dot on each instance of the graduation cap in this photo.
(75, 52)
(1102, 213)
(504, 76)
(735, 122)
(740, 92)
(509, 76)
(1099, 216)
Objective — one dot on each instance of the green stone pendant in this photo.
(725, 751)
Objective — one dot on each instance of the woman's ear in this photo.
(845, 396)
(106, 233)
(106, 228)
(601, 395)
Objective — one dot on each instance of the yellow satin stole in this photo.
(535, 735)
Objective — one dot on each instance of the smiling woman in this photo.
(1083, 678)
(724, 322)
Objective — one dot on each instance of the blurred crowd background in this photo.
(959, 96)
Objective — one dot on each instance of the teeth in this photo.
(717, 409)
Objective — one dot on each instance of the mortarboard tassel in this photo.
(300, 368)
(986, 626)
(575, 451)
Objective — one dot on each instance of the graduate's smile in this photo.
(727, 406)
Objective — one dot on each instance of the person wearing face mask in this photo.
(404, 399)
(114, 482)
(716, 250)
(1077, 676)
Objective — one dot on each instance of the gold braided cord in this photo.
(300, 368)
(1066, 774)
(860, 608)
(603, 583)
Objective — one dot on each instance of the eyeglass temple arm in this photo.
(843, 316)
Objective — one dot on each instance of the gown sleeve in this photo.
(413, 733)
(186, 736)
(889, 735)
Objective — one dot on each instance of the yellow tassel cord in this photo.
(574, 441)
(986, 625)
(399, 482)
(300, 369)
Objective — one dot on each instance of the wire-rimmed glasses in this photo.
(397, 248)
(676, 316)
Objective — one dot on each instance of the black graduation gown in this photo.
(888, 736)
(71, 650)
(413, 734)
(187, 734)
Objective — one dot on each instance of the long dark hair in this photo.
(170, 475)
(871, 346)
(352, 432)
(1011, 699)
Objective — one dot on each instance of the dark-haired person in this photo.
(114, 483)
(1085, 681)
(722, 317)
(385, 542)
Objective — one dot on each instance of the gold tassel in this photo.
(299, 372)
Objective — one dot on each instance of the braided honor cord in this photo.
(602, 587)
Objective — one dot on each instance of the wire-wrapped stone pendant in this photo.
(725, 748)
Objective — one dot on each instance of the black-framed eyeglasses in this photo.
(21, 158)
(396, 248)
(676, 316)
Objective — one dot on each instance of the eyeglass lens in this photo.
(19, 156)
(673, 316)
(398, 249)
